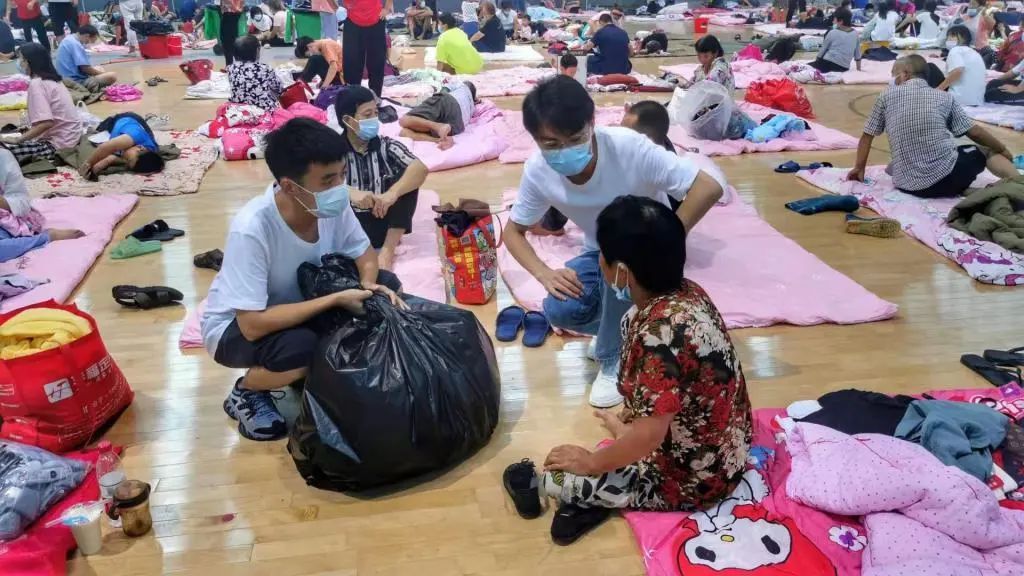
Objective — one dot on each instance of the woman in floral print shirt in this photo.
(253, 82)
(682, 438)
(713, 65)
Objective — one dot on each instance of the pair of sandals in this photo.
(792, 167)
(147, 297)
(999, 367)
(157, 230)
(211, 260)
(511, 320)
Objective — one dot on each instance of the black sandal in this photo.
(147, 297)
(1010, 357)
(157, 230)
(996, 374)
(211, 260)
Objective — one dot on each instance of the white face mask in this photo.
(950, 44)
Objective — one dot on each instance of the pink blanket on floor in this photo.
(925, 220)
(515, 81)
(999, 114)
(819, 137)
(65, 263)
(488, 134)
(755, 275)
(417, 265)
(746, 72)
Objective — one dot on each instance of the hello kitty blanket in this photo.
(925, 220)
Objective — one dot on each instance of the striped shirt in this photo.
(377, 170)
(922, 124)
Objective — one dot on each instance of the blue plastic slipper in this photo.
(536, 330)
(510, 320)
(789, 167)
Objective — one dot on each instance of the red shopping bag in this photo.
(57, 399)
(781, 94)
(471, 261)
(297, 92)
(197, 70)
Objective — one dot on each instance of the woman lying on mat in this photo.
(253, 82)
(441, 116)
(53, 118)
(383, 176)
(131, 142)
(685, 396)
(21, 227)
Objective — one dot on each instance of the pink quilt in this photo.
(921, 516)
(515, 81)
(488, 135)
(925, 220)
(755, 275)
(999, 114)
(65, 263)
(749, 71)
(417, 265)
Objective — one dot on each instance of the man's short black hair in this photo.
(844, 17)
(350, 99)
(962, 32)
(568, 61)
(148, 162)
(709, 44)
(628, 228)
(300, 143)
(506, 5)
(652, 121)
(447, 19)
(560, 103)
(247, 48)
(605, 19)
(88, 30)
(302, 46)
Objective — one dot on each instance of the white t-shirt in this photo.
(969, 90)
(261, 257)
(12, 184)
(928, 28)
(279, 19)
(508, 20)
(469, 11)
(464, 97)
(627, 163)
(885, 28)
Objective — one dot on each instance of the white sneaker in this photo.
(592, 349)
(604, 392)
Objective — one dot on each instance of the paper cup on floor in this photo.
(84, 521)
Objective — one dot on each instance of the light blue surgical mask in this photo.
(330, 203)
(571, 160)
(622, 293)
(369, 128)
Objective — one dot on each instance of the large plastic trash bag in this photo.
(706, 110)
(392, 394)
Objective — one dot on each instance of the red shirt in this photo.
(26, 13)
(364, 13)
(231, 6)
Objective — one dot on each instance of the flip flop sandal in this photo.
(535, 329)
(152, 82)
(995, 374)
(147, 297)
(791, 167)
(157, 230)
(1009, 357)
(211, 260)
(131, 247)
(508, 324)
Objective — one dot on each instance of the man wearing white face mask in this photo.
(255, 315)
(579, 170)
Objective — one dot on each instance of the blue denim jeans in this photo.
(596, 312)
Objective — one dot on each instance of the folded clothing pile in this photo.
(32, 480)
(37, 329)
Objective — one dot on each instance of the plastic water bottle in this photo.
(108, 470)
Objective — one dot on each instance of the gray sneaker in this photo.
(258, 418)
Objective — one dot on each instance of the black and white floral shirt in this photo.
(254, 83)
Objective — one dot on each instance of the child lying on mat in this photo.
(441, 116)
(21, 227)
(682, 438)
(131, 142)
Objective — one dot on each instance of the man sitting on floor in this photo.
(579, 170)
(73, 62)
(922, 125)
(611, 49)
(255, 314)
(419, 17)
(455, 53)
(442, 116)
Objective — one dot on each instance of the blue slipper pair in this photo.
(792, 167)
(824, 203)
(534, 325)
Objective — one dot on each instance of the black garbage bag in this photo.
(392, 394)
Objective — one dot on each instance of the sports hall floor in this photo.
(224, 505)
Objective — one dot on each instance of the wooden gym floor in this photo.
(223, 505)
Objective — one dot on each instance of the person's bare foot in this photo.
(538, 230)
(445, 143)
(385, 258)
(445, 131)
(59, 234)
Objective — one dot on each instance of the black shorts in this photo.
(970, 161)
(281, 351)
(399, 216)
(62, 13)
(442, 108)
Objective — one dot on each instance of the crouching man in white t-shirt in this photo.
(255, 314)
(579, 170)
